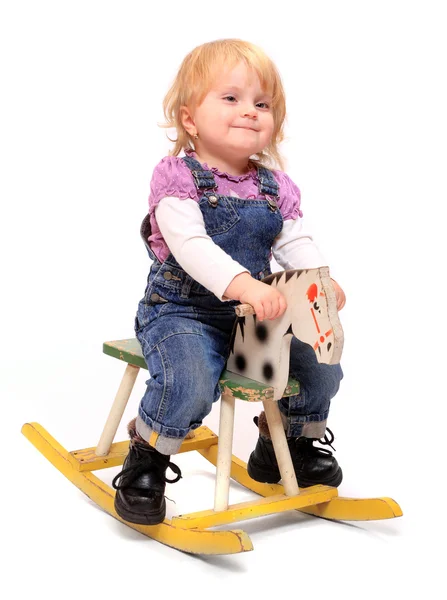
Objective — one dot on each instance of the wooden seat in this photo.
(234, 386)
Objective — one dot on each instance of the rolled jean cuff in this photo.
(311, 426)
(162, 443)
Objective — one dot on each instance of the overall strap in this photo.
(267, 184)
(203, 179)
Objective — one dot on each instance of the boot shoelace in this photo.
(323, 441)
(326, 441)
(147, 463)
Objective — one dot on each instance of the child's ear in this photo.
(187, 120)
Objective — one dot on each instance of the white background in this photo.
(82, 87)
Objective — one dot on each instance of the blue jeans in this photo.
(186, 344)
(186, 349)
(185, 330)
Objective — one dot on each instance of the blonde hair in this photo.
(195, 78)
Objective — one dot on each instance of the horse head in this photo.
(314, 316)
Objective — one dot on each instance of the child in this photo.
(215, 217)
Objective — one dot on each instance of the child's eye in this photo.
(262, 105)
(230, 98)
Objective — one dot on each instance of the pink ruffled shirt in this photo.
(171, 177)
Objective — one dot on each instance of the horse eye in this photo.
(316, 306)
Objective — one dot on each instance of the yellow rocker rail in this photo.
(189, 532)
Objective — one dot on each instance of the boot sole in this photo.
(265, 475)
(262, 474)
(152, 518)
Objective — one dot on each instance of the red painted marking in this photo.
(322, 339)
(312, 292)
(315, 320)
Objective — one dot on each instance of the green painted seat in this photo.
(240, 387)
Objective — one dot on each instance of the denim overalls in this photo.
(185, 330)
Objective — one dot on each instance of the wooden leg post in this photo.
(224, 452)
(117, 410)
(282, 452)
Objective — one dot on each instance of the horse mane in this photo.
(276, 277)
(239, 322)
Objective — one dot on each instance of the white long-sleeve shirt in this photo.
(182, 226)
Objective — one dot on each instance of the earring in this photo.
(196, 136)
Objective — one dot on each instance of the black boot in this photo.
(313, 466)
(140, 496)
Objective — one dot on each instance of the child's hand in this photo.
(266, 300)
(339, 294)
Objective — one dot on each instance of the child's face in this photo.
(235, 118)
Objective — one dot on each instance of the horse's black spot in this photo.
(241, 363)
(329, 346)
(319, 350)
(261, 332)
(267, 371)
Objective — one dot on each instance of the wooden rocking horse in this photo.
(257, 370)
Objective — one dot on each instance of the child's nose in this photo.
(250, 113)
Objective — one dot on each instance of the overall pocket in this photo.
(147, 313)
(219, 216)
